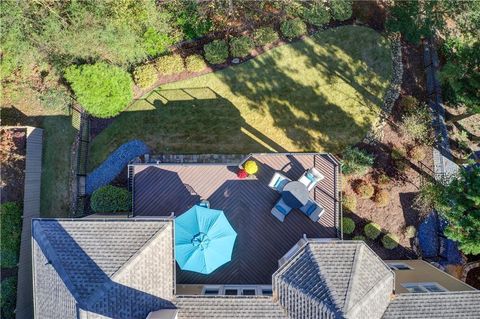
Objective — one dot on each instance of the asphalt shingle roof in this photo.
(226, 307)
(100, 263)
(439, 305)
(337, 278)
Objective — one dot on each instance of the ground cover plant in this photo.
(293, 98)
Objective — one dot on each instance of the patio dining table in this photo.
(295, 194)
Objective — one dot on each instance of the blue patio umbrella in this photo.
(204, 239)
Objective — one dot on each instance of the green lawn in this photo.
(320, 94)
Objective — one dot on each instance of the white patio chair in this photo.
(280, 210)
(310, 178)
(278, 181)
(313, 210)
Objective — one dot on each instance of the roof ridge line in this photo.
(355, 264)
(58, 267)
(101, 289)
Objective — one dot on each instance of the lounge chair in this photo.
(280, 210)
(204, 203)
(278, 181)
(313, 210)
(310, 178)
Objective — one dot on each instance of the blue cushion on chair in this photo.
(310, 176)
(281, 209)
(310, 209)
(277, 182)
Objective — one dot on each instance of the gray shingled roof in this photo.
(334, 279)
(105, 263)
(465, 304)
(228, 307)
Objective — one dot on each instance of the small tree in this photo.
(103, 90)
(461, 208)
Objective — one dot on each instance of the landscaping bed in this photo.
(11, 172)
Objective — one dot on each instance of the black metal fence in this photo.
(81, 205)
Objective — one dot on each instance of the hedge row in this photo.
(114, 164)
(11, 228)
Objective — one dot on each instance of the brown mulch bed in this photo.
(12, 175)
(473, 278)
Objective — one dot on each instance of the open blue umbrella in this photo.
(204, 239)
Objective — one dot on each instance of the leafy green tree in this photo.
(103, 90)
(461, 208)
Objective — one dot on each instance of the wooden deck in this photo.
(162, 189)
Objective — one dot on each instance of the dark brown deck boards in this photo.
(165, 188)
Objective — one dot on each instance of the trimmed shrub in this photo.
(195, 63)
(398, 153)
(293, 28)
(383, 179)
(341, 9)
(264, 36)
(316, 14)
(372, 230)
(410, 231)
(356, 161)
(349, 203)
(11, 229)
(390, 241)
(348, 225)
(364, 189)
(381, 198)
(170, 64)
(417, 153)
(114, 164)
(102, 89)
(359, 237)
(216, 52)
(241, 46)
(408, 103)
(145, 75)
(8, 297)
(111, 199)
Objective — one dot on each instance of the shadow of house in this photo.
(86, 267)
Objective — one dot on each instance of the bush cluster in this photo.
(349, 203)
(114, 164)
(341, 9)
(11, 228)
(264, 36)
(356, 161)
(382, 198)
(364, 189)
(316, 14)
(390, 241)
(372, 230)
(111, 199)
(383, 179)
(348, 225)
(241, 46)
(216, 52)
(293, 28)
(398, 153)
(195, 63)
(145, 75)
(410, 232)
(103, 90)
(170, 64)
(417, 153)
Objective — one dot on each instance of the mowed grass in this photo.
(318, 94)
